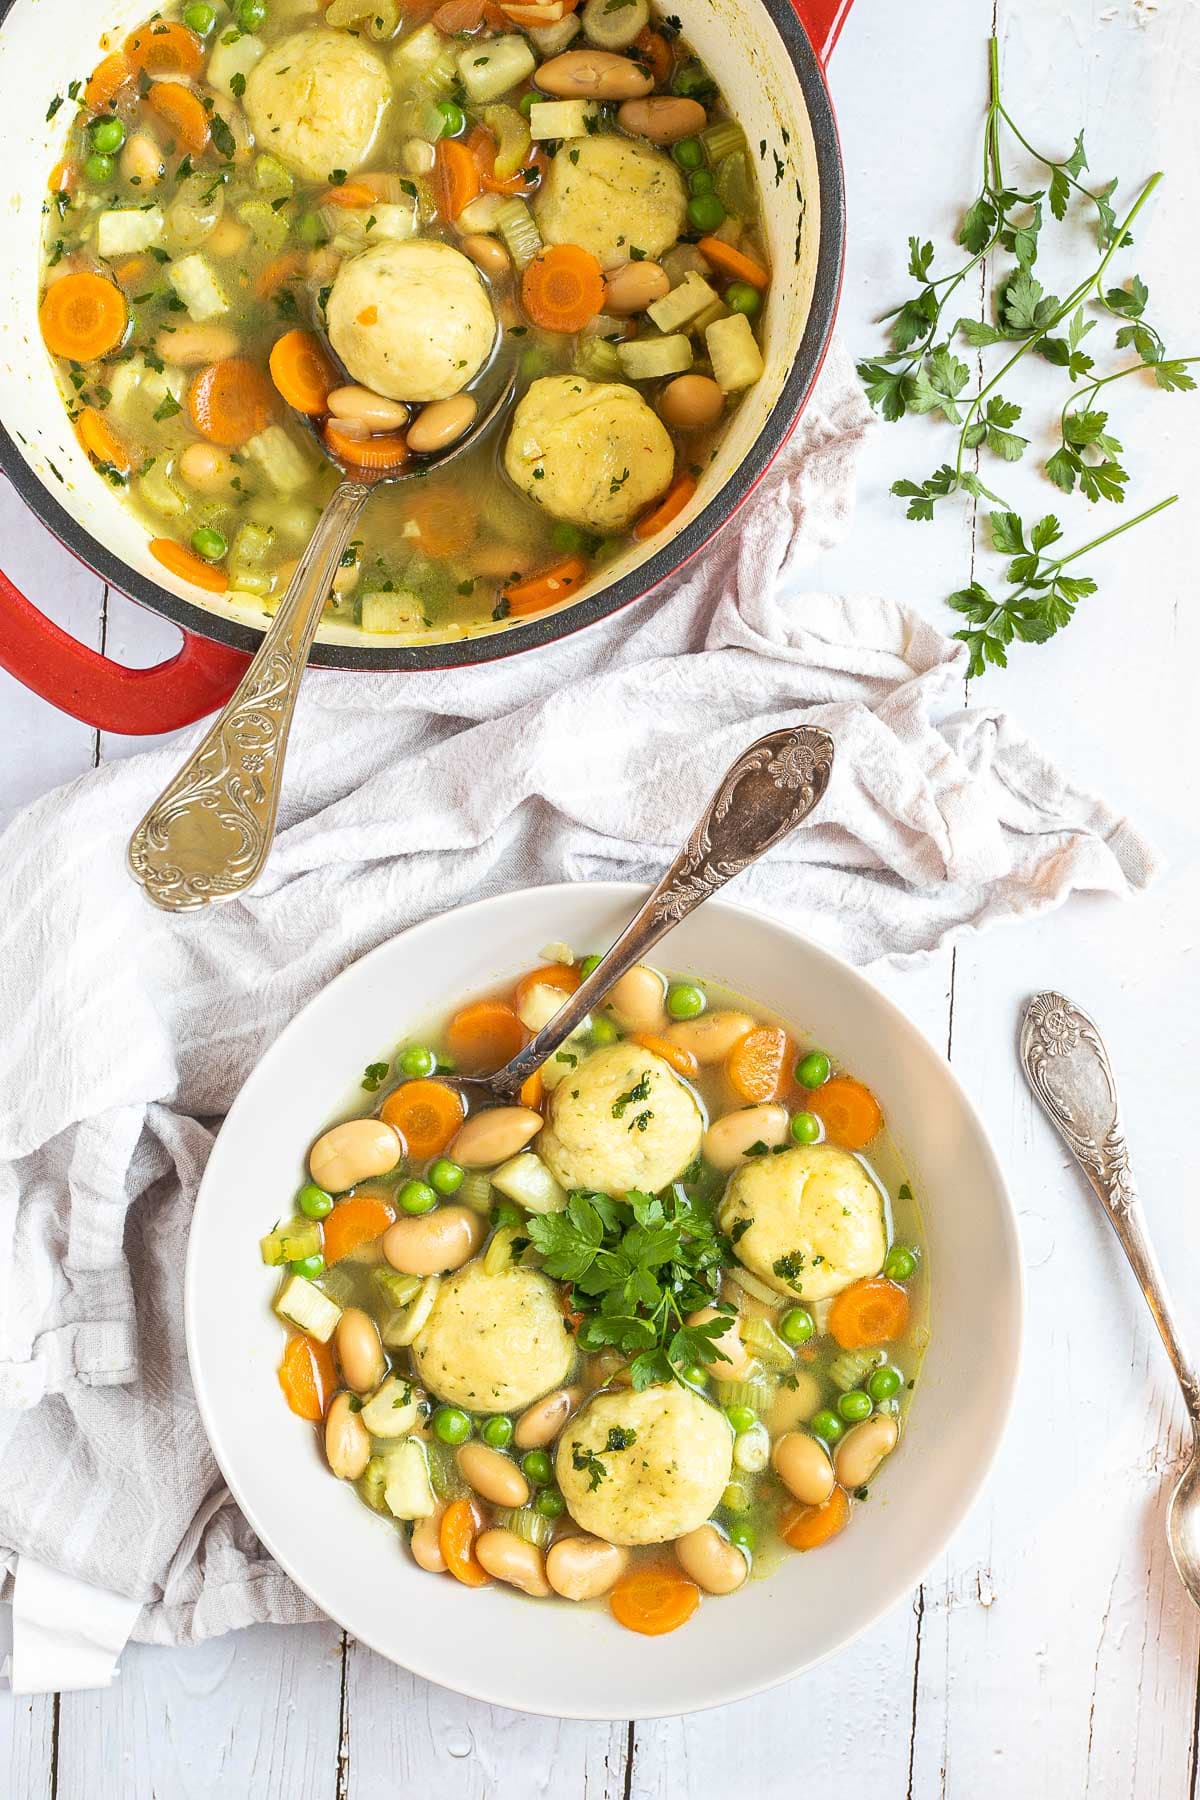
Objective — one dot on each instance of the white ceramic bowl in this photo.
(554, 1658)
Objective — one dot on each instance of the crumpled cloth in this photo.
(125, 1033)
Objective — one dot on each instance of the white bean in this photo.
(491, 1137)
(191, 345)
(664, 119)
(583, 1568)
(711, 1561)
(207, 469)
(711, 1037)
(426, 1548)
(863, 1449)
(541, 1423)
(353, 1152)
(804, 1468)
(359, 1351)
(435, 1241)
(509, 1558)
(638, 999)
(633, 287)
(368, 409)
(141, 160)
(494, 1476)
(727, 1140)
(418, 156)
(442, 424)
(598, 74)
(487, 253)
(347, 1442)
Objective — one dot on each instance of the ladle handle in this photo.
(207, 836)
(763, 796)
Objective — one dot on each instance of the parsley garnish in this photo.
(790, 1268)
(237, 84)
(167, 407)
(222, 137)
(373, 1076)
(336, 177)
(739, 1229)
(639, 1091)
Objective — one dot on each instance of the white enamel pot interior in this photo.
(772, 80)
(551, 1657)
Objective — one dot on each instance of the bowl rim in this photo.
(679, 550)
(964, 1497)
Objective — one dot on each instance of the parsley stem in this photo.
(1115, 531)
(1082, 398)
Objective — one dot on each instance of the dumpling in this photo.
(494, 1342)
(590, 452)
(316, 99)
(612, 195)
(815, 1220)
(411, 320)
(644, 1468)
(623, 1120)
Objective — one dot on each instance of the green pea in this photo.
(506, 1213)
(107, 135)
(805, 1127)
(901, 1263)
(743, 1535)
(418, 1061)
(537, 1467)
(311, 229)
(569, 539)
(209, 544)
(827, 1425)
(685, 1001)
(796, 1325)
(497, 1433)
(695, 1376)
(199, 19)
(308, 1266)
(883, 1383)
(99, 169)
(741, 1417)
(741, 297)
(550, 1503)
(528, 101)
(416, 1197)
(812, 1071)
(603, 1032)
(250, 14)
(855, 1405)
(591, 1335)
(689, 153)
(589, 965)
(446, 1176)
(313, 1201)
(700, 181)
(705, 213)
(453, 118)
(452, 1425)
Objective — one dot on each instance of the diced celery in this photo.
(549, 40)
(197, 286)
(755, 1394)
(733, 352)
(735, 186)
(397, 1289)
(393, 1409)
(613, 24)
(449, 1482)
(476, 1191)
(722, 139)
(272, 176)
(481, 214)
(526, 1179)
(159, 490)
(489, 68)
(759, 1335)
(499, 1254)
(372, 1483)
(270, 228)
(407, 1488)
(306, 1307)
(396, 222)
(511, 131)
(126, 230)
(398, 611)
(850, 1368)
(228, 60)
(339, 1285)
(700, 324)
(644, 359)
(400, 1331)
(520, 233)
(683, 303)
(597, 358)
(525, 1522)
(291, 1242)
(562, 118)
(284, 463)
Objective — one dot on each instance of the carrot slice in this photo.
(868, 1313)
(162, 47)
(192, 568)
(562, 288)
(461, 1524)
(230, 401)
(301, 371)
(484, 1036)
(681, 1060)
(533, 1091)
(654, 51)
(457, 174)
(807, 1527)
(443, 520)
(386, 450)
(83, 316)
(653, 1599)
(272, 276)
(134, 271)
(537, 592)
(307, 1377)
(554, 975)
(426, 1114)
(106, 81)
(458, 15)
(101, 441)
(355, 1222)
(668, 508)
(524, 180)
(182, 111)
(757, 1065)
(733, 262)
(353, 195)
(849, 1112)
(62, 178)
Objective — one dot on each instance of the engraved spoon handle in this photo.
(763, 796)
(1067, 1066)
(207, 836)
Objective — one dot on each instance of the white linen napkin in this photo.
(125, 1033)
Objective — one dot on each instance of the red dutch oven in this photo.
(769, 57)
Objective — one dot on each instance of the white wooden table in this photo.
(1051, 1653)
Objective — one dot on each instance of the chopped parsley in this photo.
(373, 1076)
(789, 1268)
(639, 1091)
(739, 1229)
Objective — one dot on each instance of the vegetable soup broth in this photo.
(744, 1461)
(203, 213)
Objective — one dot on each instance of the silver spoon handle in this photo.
(208, 834)
(764, 795)
(1068, 1068)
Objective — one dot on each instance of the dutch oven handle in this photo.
(106, 695)
(822, 20)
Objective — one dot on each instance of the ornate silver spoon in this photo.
(1068, 1068)
(764, 795)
